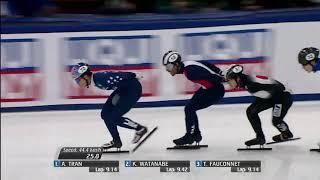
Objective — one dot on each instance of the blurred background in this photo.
(115, 7)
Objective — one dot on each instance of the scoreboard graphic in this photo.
(91, 157)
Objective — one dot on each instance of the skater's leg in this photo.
(252, 113)
(111, 126)
(128, 123)
(200, 100)
(122, 102)
(126, 99)
(280, 110)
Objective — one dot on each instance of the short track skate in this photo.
(316, 150)
(187, 147)
(254, 142)
(290, 139)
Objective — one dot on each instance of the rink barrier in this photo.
(31, 84)
(169, 103)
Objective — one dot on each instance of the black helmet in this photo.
(234, 71)
(306, 55)
(171, 57)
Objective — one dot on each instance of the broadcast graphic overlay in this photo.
(85, 157)
(236, 166)
(165, 166)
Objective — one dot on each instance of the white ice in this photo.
(30, 142)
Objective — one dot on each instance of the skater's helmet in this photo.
(234, 71)
(171, 57)
(306, 55)
(79, 70)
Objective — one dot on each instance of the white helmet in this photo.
(171, 57)
(234, 71)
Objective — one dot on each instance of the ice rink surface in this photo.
(30, 142)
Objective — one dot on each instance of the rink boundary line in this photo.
(152, 104)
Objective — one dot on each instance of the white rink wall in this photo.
(34, 67)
